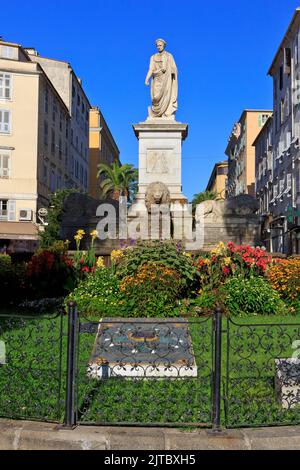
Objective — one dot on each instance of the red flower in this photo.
(85, 269)
(231, 247)
(81, 261)
(226, 271)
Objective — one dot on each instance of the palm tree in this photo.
(119, 180)
(203, 196)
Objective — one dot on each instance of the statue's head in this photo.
(157, 193)
(160, 44)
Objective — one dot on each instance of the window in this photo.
(60, 121)
(76, 169)
(4, 165)
(81, 174)
(7, 210)
(5, 121)
(3, 209)
(59, 181)
(54, 110)
(52, 181)
(45, 133)
(281, 78)
(282, 108)
(289, 181)
(52, 142)
(281, 186)
(275, 190)
(5, 86)
(7, 52)
(46, 100)
(60, 149)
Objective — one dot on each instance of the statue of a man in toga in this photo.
(164, 86)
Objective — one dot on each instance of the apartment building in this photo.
(103, 149)
(264, 176)
(285, 196)
(241, 152)
(70, 89)
(34, 145)
(218, 179)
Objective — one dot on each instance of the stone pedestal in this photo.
(160, 142)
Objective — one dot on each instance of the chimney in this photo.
(31, 51)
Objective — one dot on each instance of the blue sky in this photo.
(222, 49)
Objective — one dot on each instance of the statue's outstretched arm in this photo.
(150, 72)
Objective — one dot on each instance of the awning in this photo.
(18, 231)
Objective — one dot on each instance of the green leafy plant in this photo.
(97, 293)
(167, 253)
(151, 291)
(52, 231)
(252, 295)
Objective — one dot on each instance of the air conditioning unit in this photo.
(25, 215)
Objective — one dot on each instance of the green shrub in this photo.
(12, 280)
(167, 253)
(5, 262)
(97, 293)
(151, 291)
(206, 302)
(251, 295)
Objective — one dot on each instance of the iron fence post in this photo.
(217, 371)
(70, 414)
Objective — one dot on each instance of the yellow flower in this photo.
(227, 261)
(116, 255)
(188, 255)
(100, 262)
(94, 234)
(79, 235)
(207, 261)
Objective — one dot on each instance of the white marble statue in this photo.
(164, 85)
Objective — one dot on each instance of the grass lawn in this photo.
(32, 382)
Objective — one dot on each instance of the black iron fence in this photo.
(212, 372)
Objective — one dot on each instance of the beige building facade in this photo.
(241, 152)
(218, 179)
(35, 146)
(103, 149)
(70, 89)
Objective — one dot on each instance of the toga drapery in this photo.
(164, 86)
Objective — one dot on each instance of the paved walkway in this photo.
(24, 435)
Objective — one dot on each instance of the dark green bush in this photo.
(167, 253)
(151, 292)
(12, 280)
(252, 295)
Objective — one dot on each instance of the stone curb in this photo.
(28, 435)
